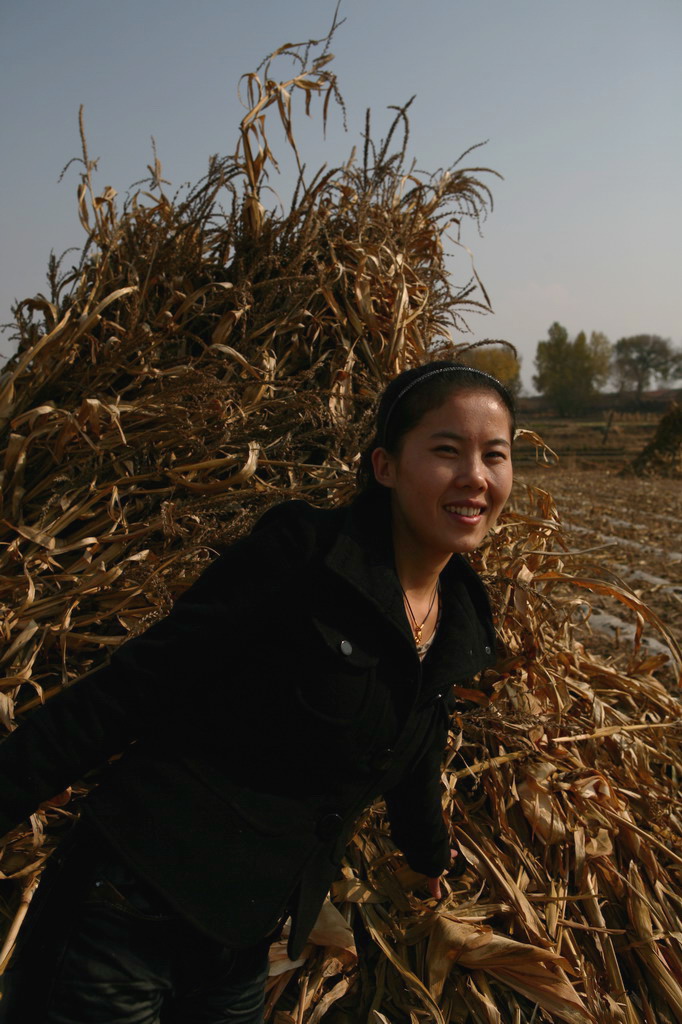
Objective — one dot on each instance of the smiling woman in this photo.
(450, 477)
(443, 450)
(328, 640)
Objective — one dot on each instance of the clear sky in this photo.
(580, 101)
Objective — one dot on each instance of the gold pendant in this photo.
(418, 635)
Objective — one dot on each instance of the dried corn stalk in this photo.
(663, 455)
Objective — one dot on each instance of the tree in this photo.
(499, 360)
(639, 358)
(601, 350)
(569, 372)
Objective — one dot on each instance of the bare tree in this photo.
(638, 359)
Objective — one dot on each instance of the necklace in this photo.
(417, 628)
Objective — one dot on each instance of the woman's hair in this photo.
(412, 394)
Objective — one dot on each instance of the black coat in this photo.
(281, 695)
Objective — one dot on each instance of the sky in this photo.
(579, 104)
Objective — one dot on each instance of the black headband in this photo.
(453, 368)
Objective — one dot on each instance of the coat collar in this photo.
(363, 555)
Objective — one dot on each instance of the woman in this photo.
(320, 651)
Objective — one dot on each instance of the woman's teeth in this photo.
(463, 510)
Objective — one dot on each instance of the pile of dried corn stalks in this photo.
(209, 357)
(663, 455)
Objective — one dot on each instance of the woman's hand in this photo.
(410, 879)
(433, 884)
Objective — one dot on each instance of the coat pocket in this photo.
(337, 676)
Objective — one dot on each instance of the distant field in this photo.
(632, 527)
(593, 441)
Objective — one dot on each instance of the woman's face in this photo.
(451, 476)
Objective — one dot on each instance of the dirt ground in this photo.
(631, 527)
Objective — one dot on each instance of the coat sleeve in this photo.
(146, 679)
(415, 809)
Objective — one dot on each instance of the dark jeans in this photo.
(99, 947)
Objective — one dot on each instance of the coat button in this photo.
(346, 647)
(329, 826)
(383, 760)
(487, 650)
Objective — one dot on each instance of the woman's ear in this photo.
(382, 464)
